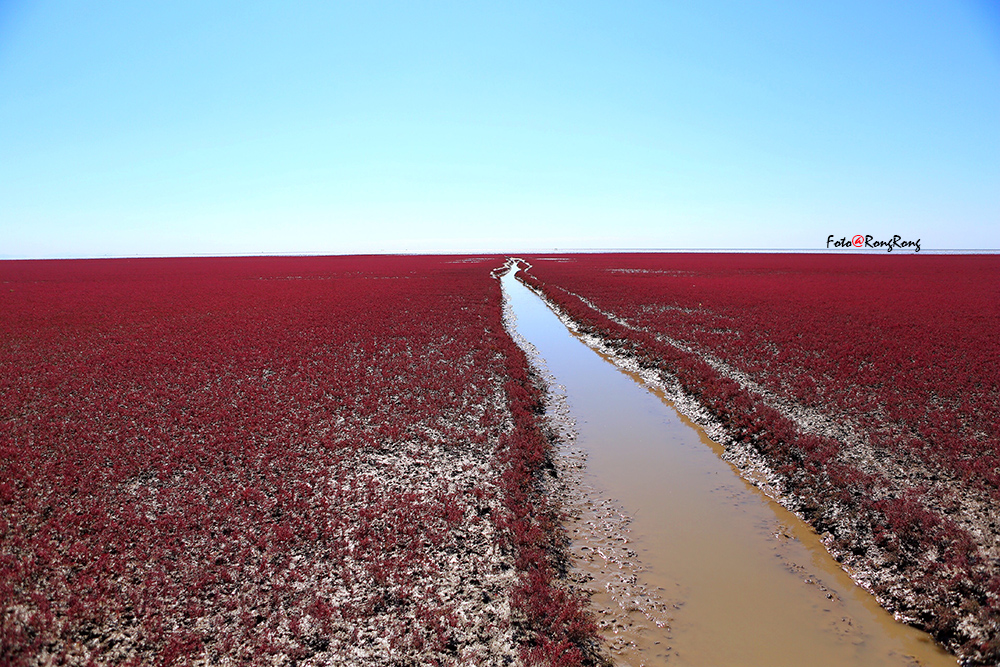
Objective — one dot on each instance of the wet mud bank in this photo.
(687, 562)
(924, 543)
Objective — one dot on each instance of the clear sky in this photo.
(176, 128)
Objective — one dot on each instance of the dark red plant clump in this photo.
(272, 461)
(870, 383)
(559, 629)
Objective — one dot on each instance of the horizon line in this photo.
(556, 250)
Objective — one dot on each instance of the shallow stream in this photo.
(695, 565)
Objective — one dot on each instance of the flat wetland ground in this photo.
(346, 460)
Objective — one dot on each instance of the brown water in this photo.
(687, 544)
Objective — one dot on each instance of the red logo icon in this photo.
(858, 241)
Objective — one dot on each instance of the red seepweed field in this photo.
(338, 460)
(272, 461)
(868, 384)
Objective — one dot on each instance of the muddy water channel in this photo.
(689, 563)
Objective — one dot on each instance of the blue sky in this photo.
(228, 128)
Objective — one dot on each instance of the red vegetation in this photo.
(869, 382)
(275, 460)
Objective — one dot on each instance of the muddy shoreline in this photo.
(598, 559)
(870, 568)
